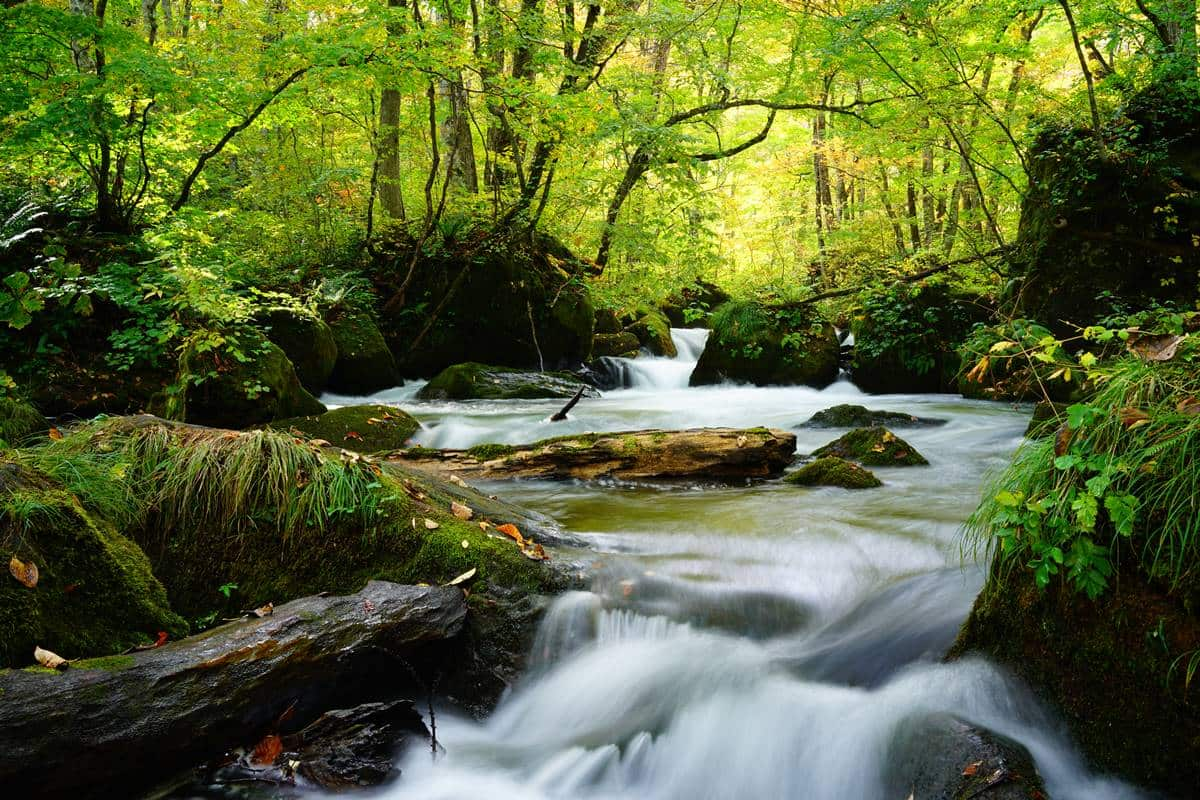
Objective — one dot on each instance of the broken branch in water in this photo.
(562, 413)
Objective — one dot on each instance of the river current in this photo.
(740, 642)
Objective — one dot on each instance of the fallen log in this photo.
(118, 725)
(718, 454)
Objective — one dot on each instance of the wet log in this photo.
(711, 454)
(118, 725)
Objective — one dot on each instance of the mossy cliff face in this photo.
(363, 429)
(1108, 667)
(221, 390)
(752, 343)
(1117, 220)
(95, 594)
(307, 342)
(500, 300)
(364, 363)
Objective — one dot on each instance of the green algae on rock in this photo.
(875, 446)
(834, 471)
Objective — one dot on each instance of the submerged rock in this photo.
(875, 446)
(143, 717)
(719, 454)
(307, 342)
(473, 381)
(940, 757)
(752, 343)
(363, 429)
(623, 345)
(852, 416)
(834, 471)
(231, 393)
(364, 363)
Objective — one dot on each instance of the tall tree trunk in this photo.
(387, 146)
(914, 225)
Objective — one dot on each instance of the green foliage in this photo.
(1116, 482)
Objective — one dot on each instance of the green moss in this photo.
(875, 446)
(416, 451)
(364, 363)
(754, 343)
(364, 429)
(490, 452)
(629, 445)
(652, 330)
(853, 416)
(623, 344)
(19, 421)
(107, 663)
(305, 339)
(833, 471)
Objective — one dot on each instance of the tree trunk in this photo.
(388, 137)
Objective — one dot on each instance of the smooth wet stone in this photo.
(853, 416)
(472, 381)
(834, 471)
(875, 446)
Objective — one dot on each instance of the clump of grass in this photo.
(1118, 481)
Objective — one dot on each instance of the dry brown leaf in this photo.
(374, 421)
(431, 525)
(353, 435)
(264, 611)
(511, 531)
(972, 769)
(1062, 440)
(461, 511)
(55, 434)
(1155, 346)
(320, 443)
(1188, 405)
(25, 572)
(266, 751)
(535, 551)
(1132, 417)
(979, 370)
(466, 576)
(48, 659)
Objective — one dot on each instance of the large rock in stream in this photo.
(473, 381)
(130, 721)
(715, 454)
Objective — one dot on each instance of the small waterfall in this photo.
(654, 372)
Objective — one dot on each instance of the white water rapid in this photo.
(748, 642)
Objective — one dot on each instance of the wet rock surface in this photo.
(854, 416)
(155, 713)
(474, 381)
(875, 446)
(363, 429)
(834, 471)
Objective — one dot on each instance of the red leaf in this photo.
(266, 751)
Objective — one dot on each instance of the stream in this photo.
(756, 641)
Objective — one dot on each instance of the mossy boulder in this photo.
(306, 340)
(652, 329)
(95, 594)
(19, 421)
(1112, 228)
(623, 345)
(501, 297)
(834, 471)
(363, 429)
(364, 363)
(764, 345)
(606, 321)
(690, 306)
(854, 416)
(875, 446)
(472, 381)
(906, 337)
(1114, 669)
(221, 390)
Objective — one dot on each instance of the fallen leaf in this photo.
(972, 769)
(1188, 405)
(431, 525)
(511, 531)
(374, 421)
(55, 434)
(320, 443)
(266, 751)
(535, 551)
(264, 611)
(1062, 440)
(48, 659)
(1133, 417)
(1155, 347)
(368, 606)
(353, 435)
(461, 511)
(483, 524)
(465, 544)
(466, 576)
(741, 441)
(26, 573)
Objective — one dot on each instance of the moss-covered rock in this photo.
(652, 329)
(623, 345)
(606, 321)
(875, 446)
(95, 594)
(906, 338)
(1114, 669)
(500, 298)
(690, 306)
(19, 421)
(220, 390)
(853, 416)
(364, 363)
(1111, 228)
(363, 429)
(763, 345)
(306, 340)
(834, 471)
(472, 381)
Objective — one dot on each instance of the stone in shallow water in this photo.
(852, 416)
(875, 446)
(834, 471)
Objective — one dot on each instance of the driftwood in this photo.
(718, 454)
(131, 721)
(561, 414)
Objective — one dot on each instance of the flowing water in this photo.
(740, 642)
